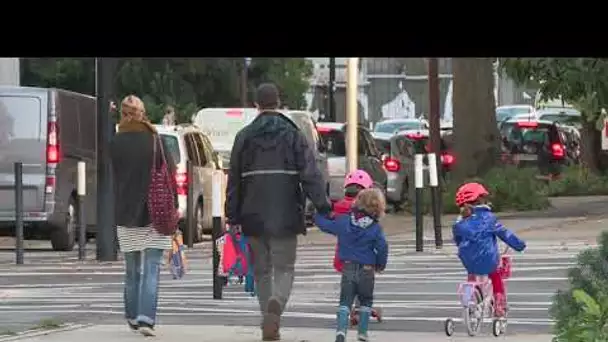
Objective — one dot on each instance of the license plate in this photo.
(526, 157)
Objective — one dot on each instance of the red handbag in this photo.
(161, 203)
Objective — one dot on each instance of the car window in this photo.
(518, 136)
(208, 147)
(200, 147)
(392, 127)
(383, 145)
(334, 142)
(171, 146)
(362, 144)
(191, 149)
(369, 141)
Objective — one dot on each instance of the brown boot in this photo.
(272, 321)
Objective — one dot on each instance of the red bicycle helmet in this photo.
(470, 192)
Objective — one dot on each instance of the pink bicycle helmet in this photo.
(470, 192)
(358, 177)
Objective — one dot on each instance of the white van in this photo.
(222, 124)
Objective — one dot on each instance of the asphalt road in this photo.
(417, 292)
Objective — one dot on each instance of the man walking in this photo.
(272, 170)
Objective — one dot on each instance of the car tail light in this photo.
(557, 150)
(392, 164)
(181, 178)
(52, 144)
(324, 129)
(447, 159)
(415, 136)
(527, 124)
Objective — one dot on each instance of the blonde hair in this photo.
(132, 108)
(371, 201)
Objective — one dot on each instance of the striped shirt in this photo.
(139, 238)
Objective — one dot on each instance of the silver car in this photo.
(188, 143)
(392, 126)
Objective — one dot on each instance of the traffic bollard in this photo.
(216, 232)
(435, 198)
(81, 189)
(19, 213)
(419, 181)
(190, 206)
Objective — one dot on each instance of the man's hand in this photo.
(235, 228)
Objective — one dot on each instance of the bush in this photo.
(578, 181)
(581, 313)
(511, 189)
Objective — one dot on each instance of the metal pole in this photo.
(106, 234)
(82, 191)
(435, 198)
(216, 232)
(351, 113)
(19, 213)
(190, 205)
(419, 180)
(331, 90)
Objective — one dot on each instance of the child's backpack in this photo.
(177, 257)
(235, 259)
(341, 207)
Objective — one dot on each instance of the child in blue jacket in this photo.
(475, 234)
(364, 250)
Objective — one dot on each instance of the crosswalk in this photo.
(417, 292)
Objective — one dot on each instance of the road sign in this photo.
(605, 135)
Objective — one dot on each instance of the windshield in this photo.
(528, 139)
(392, 127)
(566, 119)
(505, 113)
(171, 144)
(334, 142)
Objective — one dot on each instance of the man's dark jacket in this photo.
(272, 168)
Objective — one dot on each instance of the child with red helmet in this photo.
(354, 182)
(475, 234)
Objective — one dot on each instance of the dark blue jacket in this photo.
(360, 238)
(475, 237)
(272, 171)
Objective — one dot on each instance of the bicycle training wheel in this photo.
(473, 313)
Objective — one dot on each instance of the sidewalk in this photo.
(189, 333)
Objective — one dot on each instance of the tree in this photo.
(476, 137)
(291, 75)
(582, 82)
(186, 84)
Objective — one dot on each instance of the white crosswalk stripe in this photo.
(416, 292)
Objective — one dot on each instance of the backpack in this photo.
(235, 260)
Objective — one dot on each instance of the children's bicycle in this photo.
(478, 303)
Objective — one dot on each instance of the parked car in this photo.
(399, 161)
(506, 112)
(565, 116)
(188, 143)
(535, 143)
(222, 124)
(49, 131)
(333, 135)
(394, 125)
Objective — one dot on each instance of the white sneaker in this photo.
(147, 330)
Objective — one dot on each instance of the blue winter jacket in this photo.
(360, 238)
(475, 237)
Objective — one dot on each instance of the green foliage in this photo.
(187, 84)
(511, 189)
(583, 82)
(581, 312)
(578, 181)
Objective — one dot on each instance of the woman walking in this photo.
(133, 149)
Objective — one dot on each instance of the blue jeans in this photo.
(141, 288)
(357, 282)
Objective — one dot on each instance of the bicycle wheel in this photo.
(473, 312)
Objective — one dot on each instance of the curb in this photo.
(42, 332)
